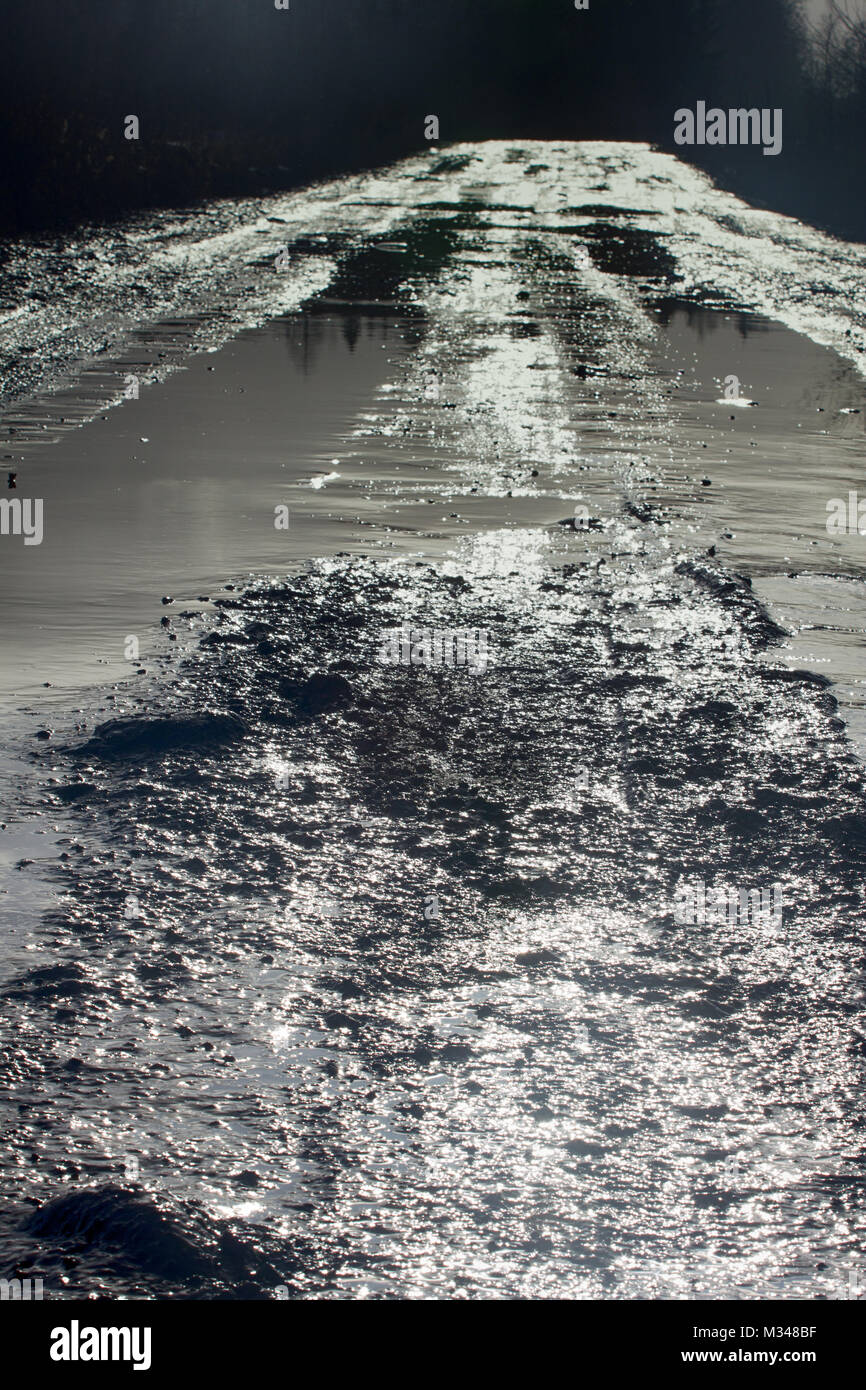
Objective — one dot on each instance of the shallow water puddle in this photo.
(176, 492)
(375, 968)
(773, 466)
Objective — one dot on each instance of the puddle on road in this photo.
(177, 491)
(555, 1045)
(772, 468)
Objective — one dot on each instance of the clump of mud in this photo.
(318, 906)
(586, 741)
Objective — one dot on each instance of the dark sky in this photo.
(234, 96)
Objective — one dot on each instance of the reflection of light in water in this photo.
(240, 1211)
(434, 1065)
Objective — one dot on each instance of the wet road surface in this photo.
(371, 979)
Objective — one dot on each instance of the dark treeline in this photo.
(236, 96)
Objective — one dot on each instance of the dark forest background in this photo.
(235, 96)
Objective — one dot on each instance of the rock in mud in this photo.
(320, 694)
(113, 1218)
(74, 791)
(120, 738)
